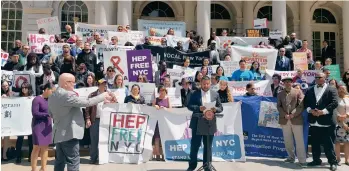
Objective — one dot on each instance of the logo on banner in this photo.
(115, 60)
(20, 79)
(127, 133)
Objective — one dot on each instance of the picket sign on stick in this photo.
(50, 24)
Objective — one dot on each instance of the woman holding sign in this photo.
(161, 102)
(41, 127)
(26, 91)
(135, 97)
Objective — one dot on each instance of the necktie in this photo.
(318, 86)
(204, 99)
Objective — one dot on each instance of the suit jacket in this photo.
(329, 101)
(329, 52)
(194, 103)
(293, 104)
(185, 97)
(282, 66)
(65, 109)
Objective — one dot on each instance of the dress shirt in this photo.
(319, 91)
(205, 97)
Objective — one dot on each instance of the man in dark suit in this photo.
(185, 91)
(320, 101)
(282, 62)
(196, 104)
(328, 52)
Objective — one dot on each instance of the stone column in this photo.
(345, 13)
(204, 19)
(248, 15)
(305, 21)
(279, 16)
(124, 13)
(103, 11)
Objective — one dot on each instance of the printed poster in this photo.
(4, 58)
(139, 63)
(50, 24)
(300, 60)
(268, 115)
(335, 72)
(160, 28)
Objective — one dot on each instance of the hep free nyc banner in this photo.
(228, 144)
(16, 116)
(125, 134)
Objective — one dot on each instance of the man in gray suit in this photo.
(64, 107)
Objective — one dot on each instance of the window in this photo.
(323, 16)
(72, 12)
(266, 12)
(157, 9)
(316, 45)
(11, 23)
(218, 12)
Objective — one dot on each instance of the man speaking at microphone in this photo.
(65, 109)
(196, 103)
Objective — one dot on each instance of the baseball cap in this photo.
(102, 81)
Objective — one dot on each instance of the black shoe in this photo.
(314, 163)
(190, 169)
(18, 160)
(93, 162)
(333, 167)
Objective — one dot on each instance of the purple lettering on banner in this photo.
(139, 63)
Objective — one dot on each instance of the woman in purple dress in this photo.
(161, 102)
(41, 127)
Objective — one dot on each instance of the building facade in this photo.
(314, 21)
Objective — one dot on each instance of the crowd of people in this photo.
(326, 100)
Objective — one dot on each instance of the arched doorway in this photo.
(158, 10)
(324, 27)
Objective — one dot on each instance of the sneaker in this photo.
(288, 160)
(303, 165)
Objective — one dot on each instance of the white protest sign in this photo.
(86, 30)
(50, 24)
(120, 94)
(146, 90)
(260, 23)
(4, 58)
(116, 57)
(16, 116)
(174, 95)
(155, 41)
(56, 48)
(37, 41)
(211, 69)
(160, 28)
(275, 34)
(173, 40)
(225, 41)
(229, 67)
(135, 37)
(8, 77)
(100, 49)
(86, 91)
(20, 77)
(238, 88)
(265, 57)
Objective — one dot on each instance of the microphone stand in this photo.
(208, 165)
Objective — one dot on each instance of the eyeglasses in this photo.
(318, 78)
(347, 73)
(119, 29)
(110, 70)
(112, 39)
(99, 41)
(95, 35)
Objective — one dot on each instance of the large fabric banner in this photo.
(126, 132)
(238, 88)
(16, 116)
(174, 57)
(160, 28)
(228, 144)
(85, 31)
(37, 41)
(139, 63)
(50, 24)
(135, 37)
(263, 141)
(309, 75)
(225, 41)
(265, 57)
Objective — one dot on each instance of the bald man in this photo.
(69, 31)
(64, 107)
